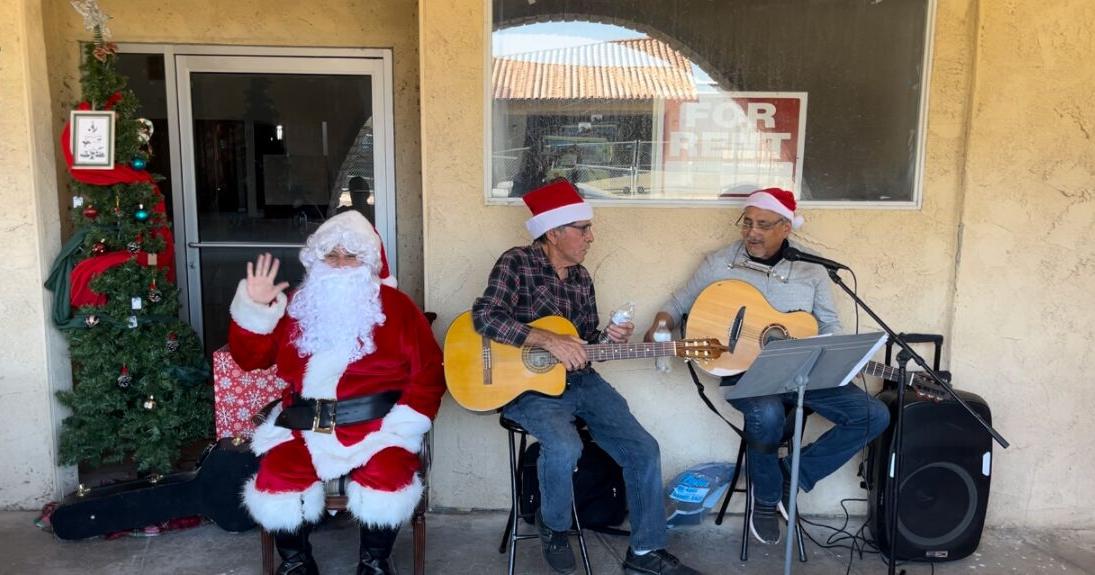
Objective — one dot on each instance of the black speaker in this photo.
(946, 465)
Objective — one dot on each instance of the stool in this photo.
(743, 463)
(510, 536)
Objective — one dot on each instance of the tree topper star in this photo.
(93, 16)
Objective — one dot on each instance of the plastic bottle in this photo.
(620, 316)
(661, 334)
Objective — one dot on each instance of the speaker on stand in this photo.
(946, 468)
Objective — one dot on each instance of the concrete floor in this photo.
(466, 544)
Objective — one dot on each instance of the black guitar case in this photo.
(212, 489)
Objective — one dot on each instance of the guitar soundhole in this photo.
(774, 332)
(537, 360)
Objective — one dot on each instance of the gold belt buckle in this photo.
(319, 412)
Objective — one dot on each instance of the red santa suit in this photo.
(378, 455)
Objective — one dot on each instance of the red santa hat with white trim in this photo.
(555, 204)
(354, 233)
(779, 201)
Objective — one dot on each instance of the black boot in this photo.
(376, 551)
(296, 552)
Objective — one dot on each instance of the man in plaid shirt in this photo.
(547, 278)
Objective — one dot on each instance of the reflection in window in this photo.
(687, 105)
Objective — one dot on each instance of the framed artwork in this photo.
(92, 139)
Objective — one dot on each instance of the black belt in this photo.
(322, 415)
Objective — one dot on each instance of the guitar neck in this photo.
(610, 351)
(886, 372)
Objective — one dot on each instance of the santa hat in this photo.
(355, 234)
(555, 204)
(776, 200)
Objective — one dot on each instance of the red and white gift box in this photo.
(239, 394)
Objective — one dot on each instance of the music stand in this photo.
(796, 365)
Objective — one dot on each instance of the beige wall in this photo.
(1024, 308)
(981, 97)
(32, 356)
(321, 23)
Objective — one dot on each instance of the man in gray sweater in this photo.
(757, 259)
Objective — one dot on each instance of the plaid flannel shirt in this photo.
(524, 287)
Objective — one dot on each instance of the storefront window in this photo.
(692, 101)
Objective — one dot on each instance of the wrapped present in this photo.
(239, 394)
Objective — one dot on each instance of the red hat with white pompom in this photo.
(776, 200)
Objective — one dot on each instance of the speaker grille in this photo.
(938, 503)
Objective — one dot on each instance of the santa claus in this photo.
(365, 382)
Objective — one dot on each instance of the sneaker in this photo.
(764, 522)
(660, 562)
(556, 548)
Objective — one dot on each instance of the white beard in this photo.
(337, 310)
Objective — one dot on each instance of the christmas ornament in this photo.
(138, 163)
(82, 490)
(144, 131)
(77, 202)
(117, 206)
(124, 379)
(99, 248)
(154, 294)
(91, 320)
(141, 214)
(90, 212)
(172, 343)
(133, 247)
(150, 403)
(93, 16)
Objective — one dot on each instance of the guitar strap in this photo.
(707, 402)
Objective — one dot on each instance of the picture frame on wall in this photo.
(92, 139)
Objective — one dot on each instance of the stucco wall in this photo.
(1010, 81)
(33, 357)
(1024, 312)
(322, 23)
(904, 258)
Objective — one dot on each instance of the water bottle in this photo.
(620, 316)
(661, 334)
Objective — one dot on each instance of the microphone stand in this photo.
(904, 355)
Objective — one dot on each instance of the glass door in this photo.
(271, 146)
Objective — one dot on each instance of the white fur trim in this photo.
(376, 508)
(766, 201)
(321, 376)
(255, 317)
(390, 281)
(539, 224)
(267, 435)
(284, 511)
(405, 421)
(332, 459)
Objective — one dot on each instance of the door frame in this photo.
(375, 62)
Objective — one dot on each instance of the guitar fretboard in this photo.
(609, 351)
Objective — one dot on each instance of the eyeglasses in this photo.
(747, 224)
(583, 229)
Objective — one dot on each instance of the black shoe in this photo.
(660, 562)
(764, 522)
(556, 548)
(374, 555)
(784, 505)
(295, 552)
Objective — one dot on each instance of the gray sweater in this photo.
(788, 286)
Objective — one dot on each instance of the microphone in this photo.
(795, 255)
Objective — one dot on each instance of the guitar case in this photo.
(212, 490)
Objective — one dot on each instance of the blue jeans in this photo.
(615, 429)
(858, 419)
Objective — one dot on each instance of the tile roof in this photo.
(635, 69)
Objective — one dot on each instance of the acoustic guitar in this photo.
(737, 313)
(483, 374)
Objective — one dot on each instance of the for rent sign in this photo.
(729, 144)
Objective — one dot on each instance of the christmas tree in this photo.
(140, 378)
